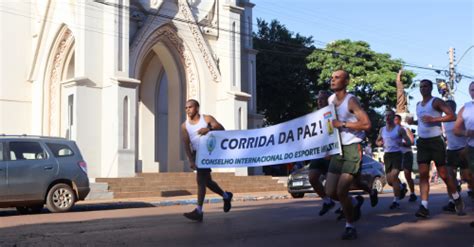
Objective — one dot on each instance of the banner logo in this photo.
(211, 143)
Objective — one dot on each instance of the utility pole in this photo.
(452, 72)
(446, 89)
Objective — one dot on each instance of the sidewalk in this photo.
(191, 199)
(213, 198)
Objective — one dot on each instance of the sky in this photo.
(420, 32)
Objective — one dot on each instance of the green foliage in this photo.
(284, 86)
(373, 74)
(290, 72)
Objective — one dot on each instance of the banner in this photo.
(305, 138)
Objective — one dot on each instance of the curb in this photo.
(213, 200)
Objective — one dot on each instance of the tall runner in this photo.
(352, 122)
(431, 146)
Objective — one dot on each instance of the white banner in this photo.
(305, 138)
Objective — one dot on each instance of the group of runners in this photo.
(342, 171)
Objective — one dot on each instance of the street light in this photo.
(464, 54)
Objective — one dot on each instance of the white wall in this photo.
(15, 90)
(99, 83)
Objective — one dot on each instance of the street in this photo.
(290, 222)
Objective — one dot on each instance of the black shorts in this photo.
(392, 161)
(320, 164)
(470, 158)
(431, 149)
(457, 158)
(407, 161)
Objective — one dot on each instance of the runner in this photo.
(390, 137)
(352, 122)
(197, 125)
(431, 146)
(464, 126)
(457, 156)
(320, 166)
(407, 160)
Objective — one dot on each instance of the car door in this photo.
(30, 170)
(3, 172)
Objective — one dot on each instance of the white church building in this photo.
(114, 75)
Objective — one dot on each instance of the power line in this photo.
(173, 18)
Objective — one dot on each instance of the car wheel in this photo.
(378, 185)
(35, 209)
(297, 195)
(60, 198)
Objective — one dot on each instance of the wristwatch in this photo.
(344, 124)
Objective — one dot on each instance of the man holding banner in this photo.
(352, 122)
(192, 129)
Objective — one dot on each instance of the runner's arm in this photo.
(363, 122)
(403, 133)
(212, 124)
(187, 146)
(441, 106)
(459, 127)
(379, 141)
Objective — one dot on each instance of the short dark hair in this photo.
(398, 116)
(195, 102)
(427, 81)
(325, 92)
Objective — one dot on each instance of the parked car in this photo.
(372, 175)
(37, 170)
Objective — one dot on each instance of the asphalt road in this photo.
(261, 223)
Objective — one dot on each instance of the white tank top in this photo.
(403, 148)
(348, 136)
(391, 139)
(428, 130)
(454, 142)
(468, 117)
(193, 131)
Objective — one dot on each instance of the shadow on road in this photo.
(87, 207)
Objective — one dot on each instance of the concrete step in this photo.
(99, 191)
(282, 180)
(178, 184)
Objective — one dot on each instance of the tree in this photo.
(283, 80)
(373, 74)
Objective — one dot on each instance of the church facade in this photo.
(114, 75)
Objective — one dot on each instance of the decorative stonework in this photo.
(168, 34)
(199, 39)
(60, 50)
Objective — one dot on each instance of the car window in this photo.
(26, 151)
(60, 150)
